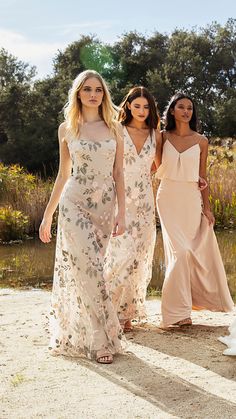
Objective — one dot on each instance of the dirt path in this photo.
(166, 374)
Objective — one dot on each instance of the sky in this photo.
(34, 31)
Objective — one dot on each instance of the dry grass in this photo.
(29, 194)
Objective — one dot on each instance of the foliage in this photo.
(25, 193)
(200, 61)
(13, 224)
(222, 182)
(23, 196)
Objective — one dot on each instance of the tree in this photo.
(134, 56)
(225, 116)
(16, 79)
(28, 115)
(200, 62)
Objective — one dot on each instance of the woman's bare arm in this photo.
(118, 175)
(64, 172)
(202, 173)
(159, 146)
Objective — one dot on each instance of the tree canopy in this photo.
(200, 62)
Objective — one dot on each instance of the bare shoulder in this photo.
(203, 141)
(119, 130)
(63, 132)
(159, 136)
(119, 126)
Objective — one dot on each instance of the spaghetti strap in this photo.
(195, 274)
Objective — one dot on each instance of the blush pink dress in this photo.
(195, 275)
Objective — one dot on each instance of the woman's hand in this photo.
(210, 216)
(45, 230)
(153, 168)
(119, 225)
(202, 183)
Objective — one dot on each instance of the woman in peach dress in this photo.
(195, 275)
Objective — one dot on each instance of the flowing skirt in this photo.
(82, 317)
(195, 275)
(128, 267)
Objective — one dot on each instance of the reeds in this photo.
(27, 195)
(222, 182)
(23, 196)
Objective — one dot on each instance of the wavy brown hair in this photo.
(125, 116)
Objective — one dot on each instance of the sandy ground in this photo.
(166, 374)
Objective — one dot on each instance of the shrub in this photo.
(24, 192)
(13, 224)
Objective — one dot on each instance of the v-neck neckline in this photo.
(143, 146)
(181, 152)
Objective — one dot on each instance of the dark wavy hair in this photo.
(168, 118)
(125, 116)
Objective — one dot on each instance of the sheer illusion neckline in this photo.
(143, 146)
(183, 151)
(87, 135)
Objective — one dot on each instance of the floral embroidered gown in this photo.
(128, 266)
(82, 317)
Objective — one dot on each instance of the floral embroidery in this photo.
(128, 265)
(82, 317)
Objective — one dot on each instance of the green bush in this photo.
(24, 192)
(13, 224)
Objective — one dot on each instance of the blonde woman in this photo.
(82, 318)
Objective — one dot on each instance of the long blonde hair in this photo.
(73, 108)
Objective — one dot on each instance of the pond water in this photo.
(30, 265)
